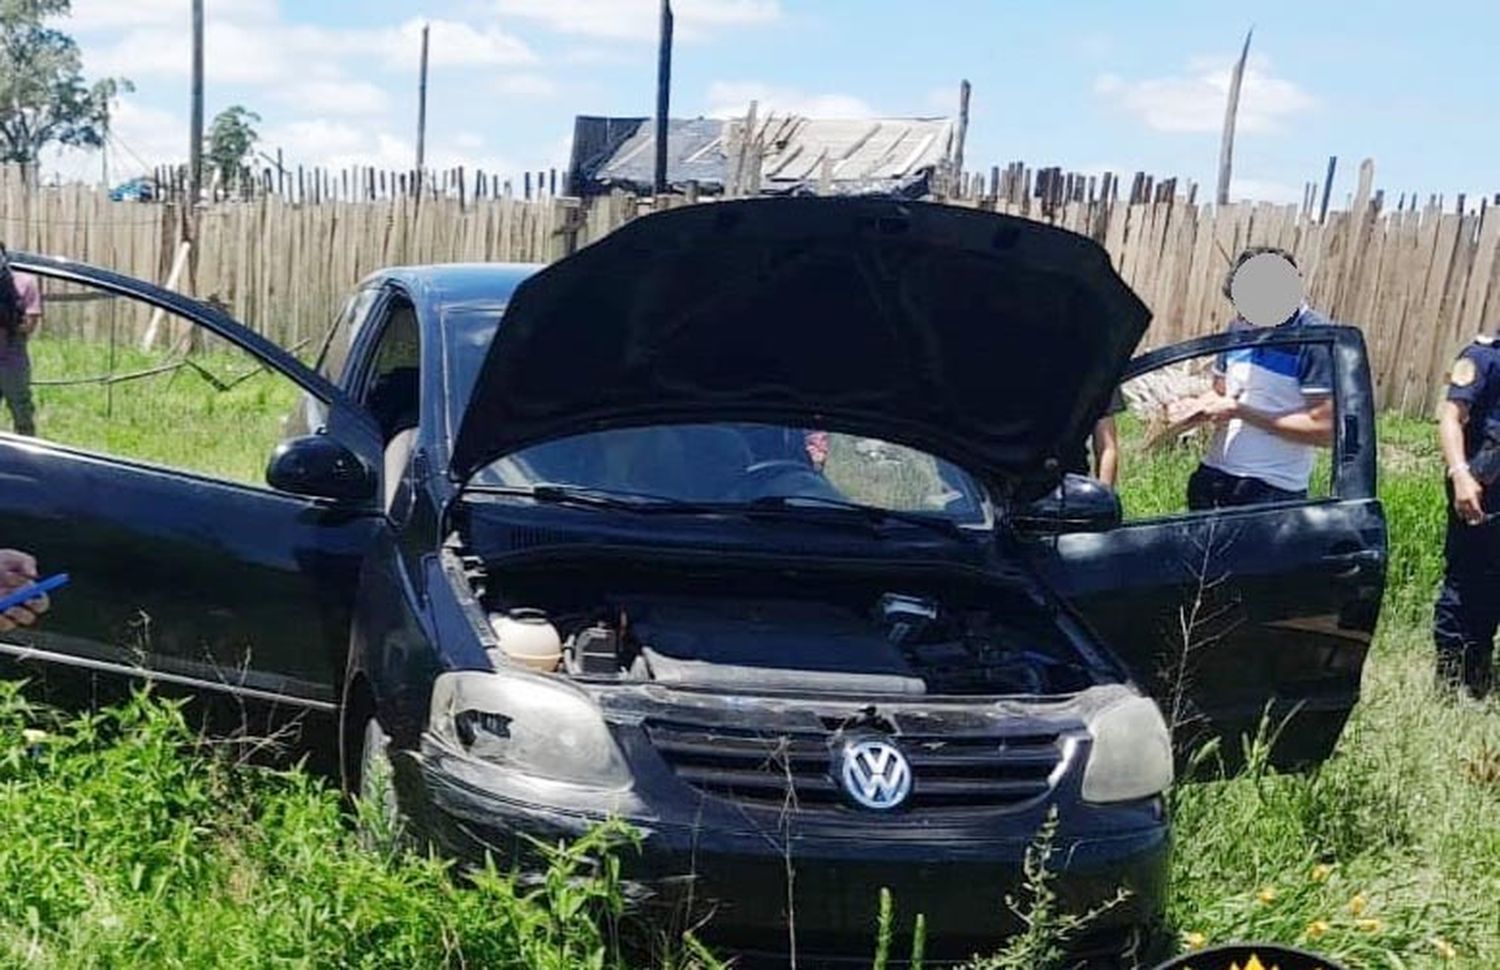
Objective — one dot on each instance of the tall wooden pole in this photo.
(1333, 163)
(961, 135)
(1226, 147)
(663, 94)
(422, 107)
(195, 133)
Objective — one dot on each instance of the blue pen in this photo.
(25, 594)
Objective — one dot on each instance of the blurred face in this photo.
(1266, 290)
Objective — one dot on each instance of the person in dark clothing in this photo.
(20, 314)
(1467, 612)
(1102, 460)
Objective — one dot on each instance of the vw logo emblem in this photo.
(876, 774)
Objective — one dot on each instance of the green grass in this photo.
(128, 845)
(176, 419)
(1406, 818)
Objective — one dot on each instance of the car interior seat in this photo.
(392, 401)
(397, 454)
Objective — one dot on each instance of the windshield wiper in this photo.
(779, 506)
(870, 513)
(598, 498)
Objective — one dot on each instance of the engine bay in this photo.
(744, 632)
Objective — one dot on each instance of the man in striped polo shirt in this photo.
(1272, 405)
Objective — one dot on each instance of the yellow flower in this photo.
(1444, 948)
(1368, 925)
(1267, 895)
(1321, 872)
(1194, 940)
(1357, 904)
(1315, 929)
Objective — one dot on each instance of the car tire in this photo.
(382, 826)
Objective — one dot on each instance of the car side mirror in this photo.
(1078, 504)
(318, 466)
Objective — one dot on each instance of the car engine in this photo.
(876, 643)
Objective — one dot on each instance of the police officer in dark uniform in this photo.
(1468, 606)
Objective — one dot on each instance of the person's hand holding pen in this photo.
(17, 569)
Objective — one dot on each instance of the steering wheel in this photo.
(794, 478)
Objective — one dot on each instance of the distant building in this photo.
(889, 156)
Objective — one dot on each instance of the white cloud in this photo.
(591, 56)
(264, 53)
(337, 145)
(730, 99)
(141, 137)
(524, 86)
(327, 93)
(640, 19)
(1195, 101)
(322, 141)
(943, 100)
(232, 54)
(89, 15)
(340, 97)
(451, 43)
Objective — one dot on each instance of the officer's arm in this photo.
(1106, 450)
(1468, 494)
(1311, 426)
(1452, 416)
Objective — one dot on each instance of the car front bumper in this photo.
(753, 886)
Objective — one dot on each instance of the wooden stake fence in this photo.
(1421, 281)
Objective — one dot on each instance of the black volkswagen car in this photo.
(745, 525)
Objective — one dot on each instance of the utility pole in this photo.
(422, 108)
(663, 94)
(195, 134)
(1226, 147)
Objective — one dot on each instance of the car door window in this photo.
(389, 386)
(114, 375)
(334, 353)
(1222, 429)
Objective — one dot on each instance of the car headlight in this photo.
(538, 728)
(1132, 752)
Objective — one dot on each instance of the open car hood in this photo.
(989, 340)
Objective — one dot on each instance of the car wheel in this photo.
(381, 825)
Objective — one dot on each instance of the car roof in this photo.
(442, 285)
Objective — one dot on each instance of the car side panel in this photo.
(221, 584)
(1217, 617)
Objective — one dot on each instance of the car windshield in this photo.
(746, 463)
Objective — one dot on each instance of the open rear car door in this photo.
(1227, 616)
(228, 591)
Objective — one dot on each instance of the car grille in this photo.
(779, 769)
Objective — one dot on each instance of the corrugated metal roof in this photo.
(864, 155)
(859, 150)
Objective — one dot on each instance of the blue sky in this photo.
(1083, 84)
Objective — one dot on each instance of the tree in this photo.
(43, 96)
(230, 138)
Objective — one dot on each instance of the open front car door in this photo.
(1250, 620)
(230, 590)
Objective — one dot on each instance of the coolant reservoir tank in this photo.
(528, 638)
